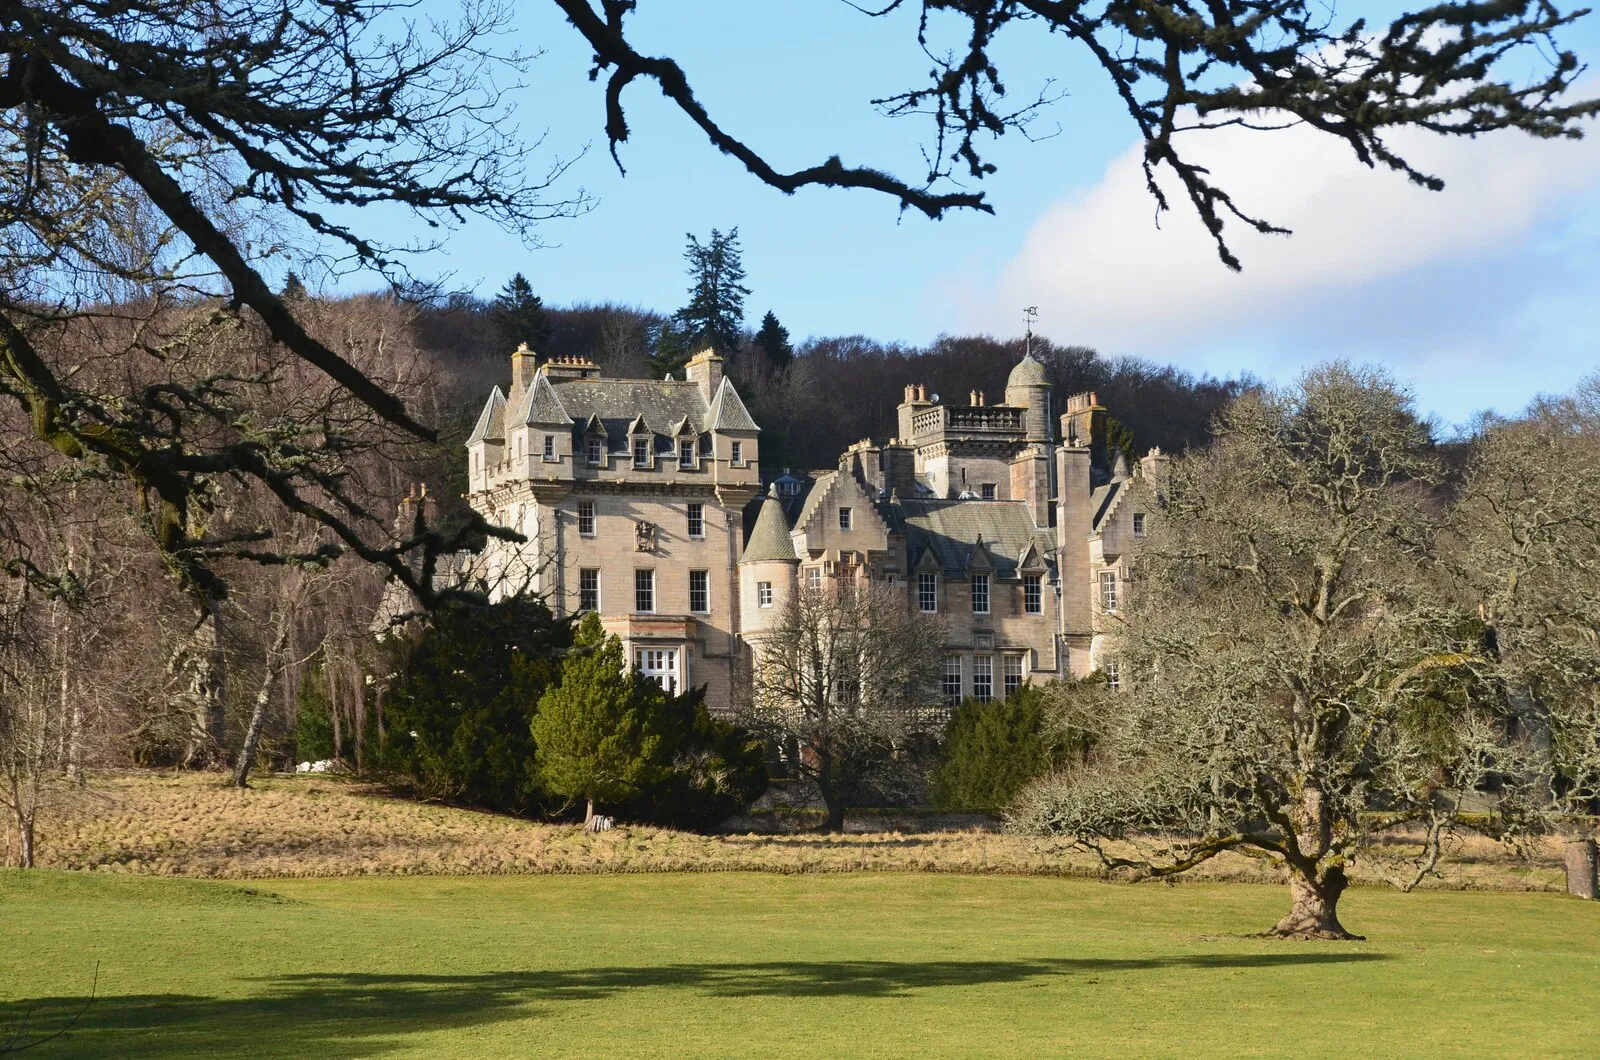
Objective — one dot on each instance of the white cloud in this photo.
(1102, 273)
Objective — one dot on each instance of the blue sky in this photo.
(1481, 296)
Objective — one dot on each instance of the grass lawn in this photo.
(867, 964)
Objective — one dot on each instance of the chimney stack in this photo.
(705, 368)
(522, 365)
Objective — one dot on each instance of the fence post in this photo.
(1581, 869)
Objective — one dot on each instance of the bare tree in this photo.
(1178, 70)
(844, 681)
(1303, 674)
(1525, 537)
(153, 161)
(40, 719)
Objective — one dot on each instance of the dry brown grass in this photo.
(194, 825)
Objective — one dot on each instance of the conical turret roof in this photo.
(1028, 372)
(770, 539)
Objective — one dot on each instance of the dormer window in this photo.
(686, 454)
(641, 452)
(597, 451)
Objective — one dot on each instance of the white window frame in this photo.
(979, 584)
(928, 592)
(1138, 524)
(1032, 594)
(586, 520)
(846, 517)
(686, 454)
(641, 453)
(1113, 671)
(596, 451)
(736, 454)
(550, 449)
(696, 519)
(763, 594)
(644, 590)
(704, 589)
(814, 577)
(659, 665)
(583, 575)
(1108, 592)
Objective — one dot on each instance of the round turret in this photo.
(769, 569)
(1028, 387)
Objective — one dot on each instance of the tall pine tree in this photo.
(520, 315)
(715, 314)
(773, 340)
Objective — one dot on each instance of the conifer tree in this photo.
(773, 340)
(672, 350)
(597, 732)
(520, 315)
(714, 315)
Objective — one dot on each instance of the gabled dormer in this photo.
(685, 445)
(1032, 561)
(596, 443)
(641, 445)
(979, 561)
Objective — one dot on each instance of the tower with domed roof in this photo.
(1028, 387)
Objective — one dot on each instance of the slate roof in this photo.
(662, 403)
(727, 412)
(491, 422)
(770, 539)
(951, 530)
(542, 407)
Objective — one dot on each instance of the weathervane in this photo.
(1029, 315)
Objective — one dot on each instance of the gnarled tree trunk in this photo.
(1315, 910)
(1314, 885)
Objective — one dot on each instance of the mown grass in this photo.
(195, 825)
(863, 964)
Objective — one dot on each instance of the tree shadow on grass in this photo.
(357, 1014)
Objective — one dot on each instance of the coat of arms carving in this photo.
(644, 536)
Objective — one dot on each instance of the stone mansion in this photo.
(646, 501)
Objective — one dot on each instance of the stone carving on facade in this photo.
(644, 536)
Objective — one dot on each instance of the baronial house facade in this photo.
(645, 501)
